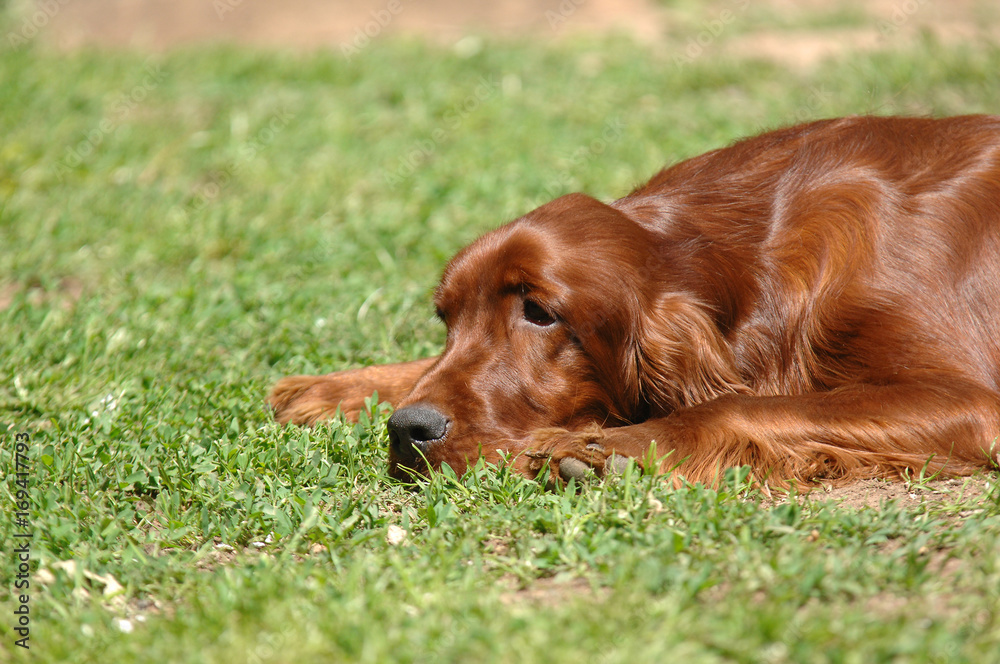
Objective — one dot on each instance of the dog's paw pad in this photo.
(574, 469)
(616, 464)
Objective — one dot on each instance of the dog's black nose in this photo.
(413, 429)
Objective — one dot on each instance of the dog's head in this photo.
(552, 322)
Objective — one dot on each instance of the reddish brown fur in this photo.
(821, 301)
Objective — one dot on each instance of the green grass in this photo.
(165, 259)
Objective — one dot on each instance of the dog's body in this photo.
(818, 301)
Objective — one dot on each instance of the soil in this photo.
(159, 24)
(873, 493)
(339, 24)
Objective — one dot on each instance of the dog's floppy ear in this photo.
(680, 356)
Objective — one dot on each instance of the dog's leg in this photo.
(854, 432)
(308, 399)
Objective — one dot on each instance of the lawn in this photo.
(180, 230)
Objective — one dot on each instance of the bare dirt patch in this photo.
(160, 24)
(888, 24)
(731, 28)
(65, 294)
(549, 592)
(873, 493)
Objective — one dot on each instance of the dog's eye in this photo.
(536, 315)
(441, 316)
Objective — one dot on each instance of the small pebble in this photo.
(395, 535)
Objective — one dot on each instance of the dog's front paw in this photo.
(575, 455)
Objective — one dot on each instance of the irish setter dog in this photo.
(821, 301)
